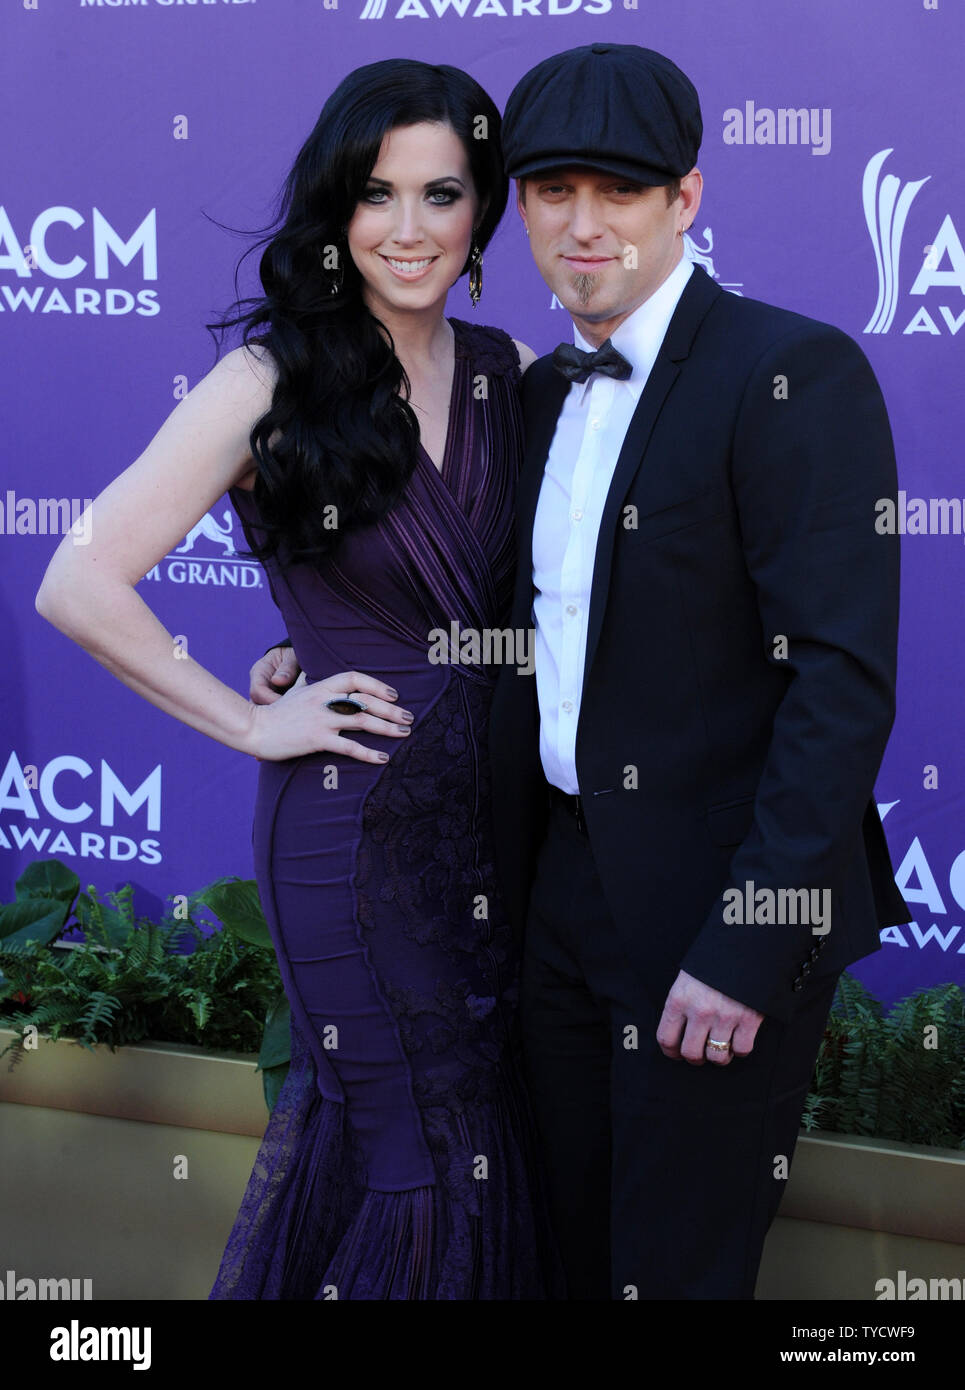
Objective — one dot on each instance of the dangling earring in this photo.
(475, 272)
(335, 282)
(334, 278)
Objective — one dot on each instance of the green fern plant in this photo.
(131, 979)
(898, 1075)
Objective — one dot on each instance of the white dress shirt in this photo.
(579, 469)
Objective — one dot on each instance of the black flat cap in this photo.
(610, 106)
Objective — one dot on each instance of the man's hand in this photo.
(694, 1013)
(275, 673)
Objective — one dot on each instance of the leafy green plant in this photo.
(44, 894)
(131, 979)
(896, 1075)
(236, 903)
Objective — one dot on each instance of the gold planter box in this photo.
(163, 1083)
(93, 1143)
(126, 1168)
(859, 1210)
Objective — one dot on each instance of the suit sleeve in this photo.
(807, 473)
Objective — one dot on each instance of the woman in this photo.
(374, 476)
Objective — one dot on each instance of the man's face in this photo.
(603, 243)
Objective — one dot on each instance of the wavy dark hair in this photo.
(343, 433)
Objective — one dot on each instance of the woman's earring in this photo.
(475, 273)
(334, 274)
(335, 281)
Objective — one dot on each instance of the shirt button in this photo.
(567, 705)
(571, 608)
(577, 515)
(594, 424)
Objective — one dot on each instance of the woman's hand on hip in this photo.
(300, 722)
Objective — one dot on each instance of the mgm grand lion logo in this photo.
(701, 254)
(209, 528)
(213, 559)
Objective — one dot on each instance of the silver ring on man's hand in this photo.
(346, 704)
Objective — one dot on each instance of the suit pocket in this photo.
(729, 823)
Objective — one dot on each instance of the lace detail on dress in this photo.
(491, 350)
(425, 870)
(427, 849)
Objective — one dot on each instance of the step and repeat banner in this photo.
(144, 139)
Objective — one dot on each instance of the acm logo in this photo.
(30, 794)
(887, 202)
(917, 884)
(54, 254)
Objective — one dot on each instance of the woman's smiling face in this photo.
(411, 230)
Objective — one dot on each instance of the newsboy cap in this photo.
(610, 106)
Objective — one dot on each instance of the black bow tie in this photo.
(576, 365)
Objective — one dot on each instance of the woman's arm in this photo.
(88, 591)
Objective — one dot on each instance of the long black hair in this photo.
(346, 435)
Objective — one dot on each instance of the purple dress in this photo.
(399, 1161)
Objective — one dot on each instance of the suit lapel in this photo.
(544, 391)
(698, 295)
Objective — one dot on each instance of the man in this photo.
(716, 628)
(684, 795)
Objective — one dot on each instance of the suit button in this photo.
(815, 952)
(798, 983)
(806, 968)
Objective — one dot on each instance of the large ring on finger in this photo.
(718, 1046)
(346, 704)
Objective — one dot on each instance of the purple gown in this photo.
(399, 1161)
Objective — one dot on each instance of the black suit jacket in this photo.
(741, 512)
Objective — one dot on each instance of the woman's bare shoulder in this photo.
(257, 360)
(526, 355)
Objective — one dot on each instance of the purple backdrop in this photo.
(128, 125)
